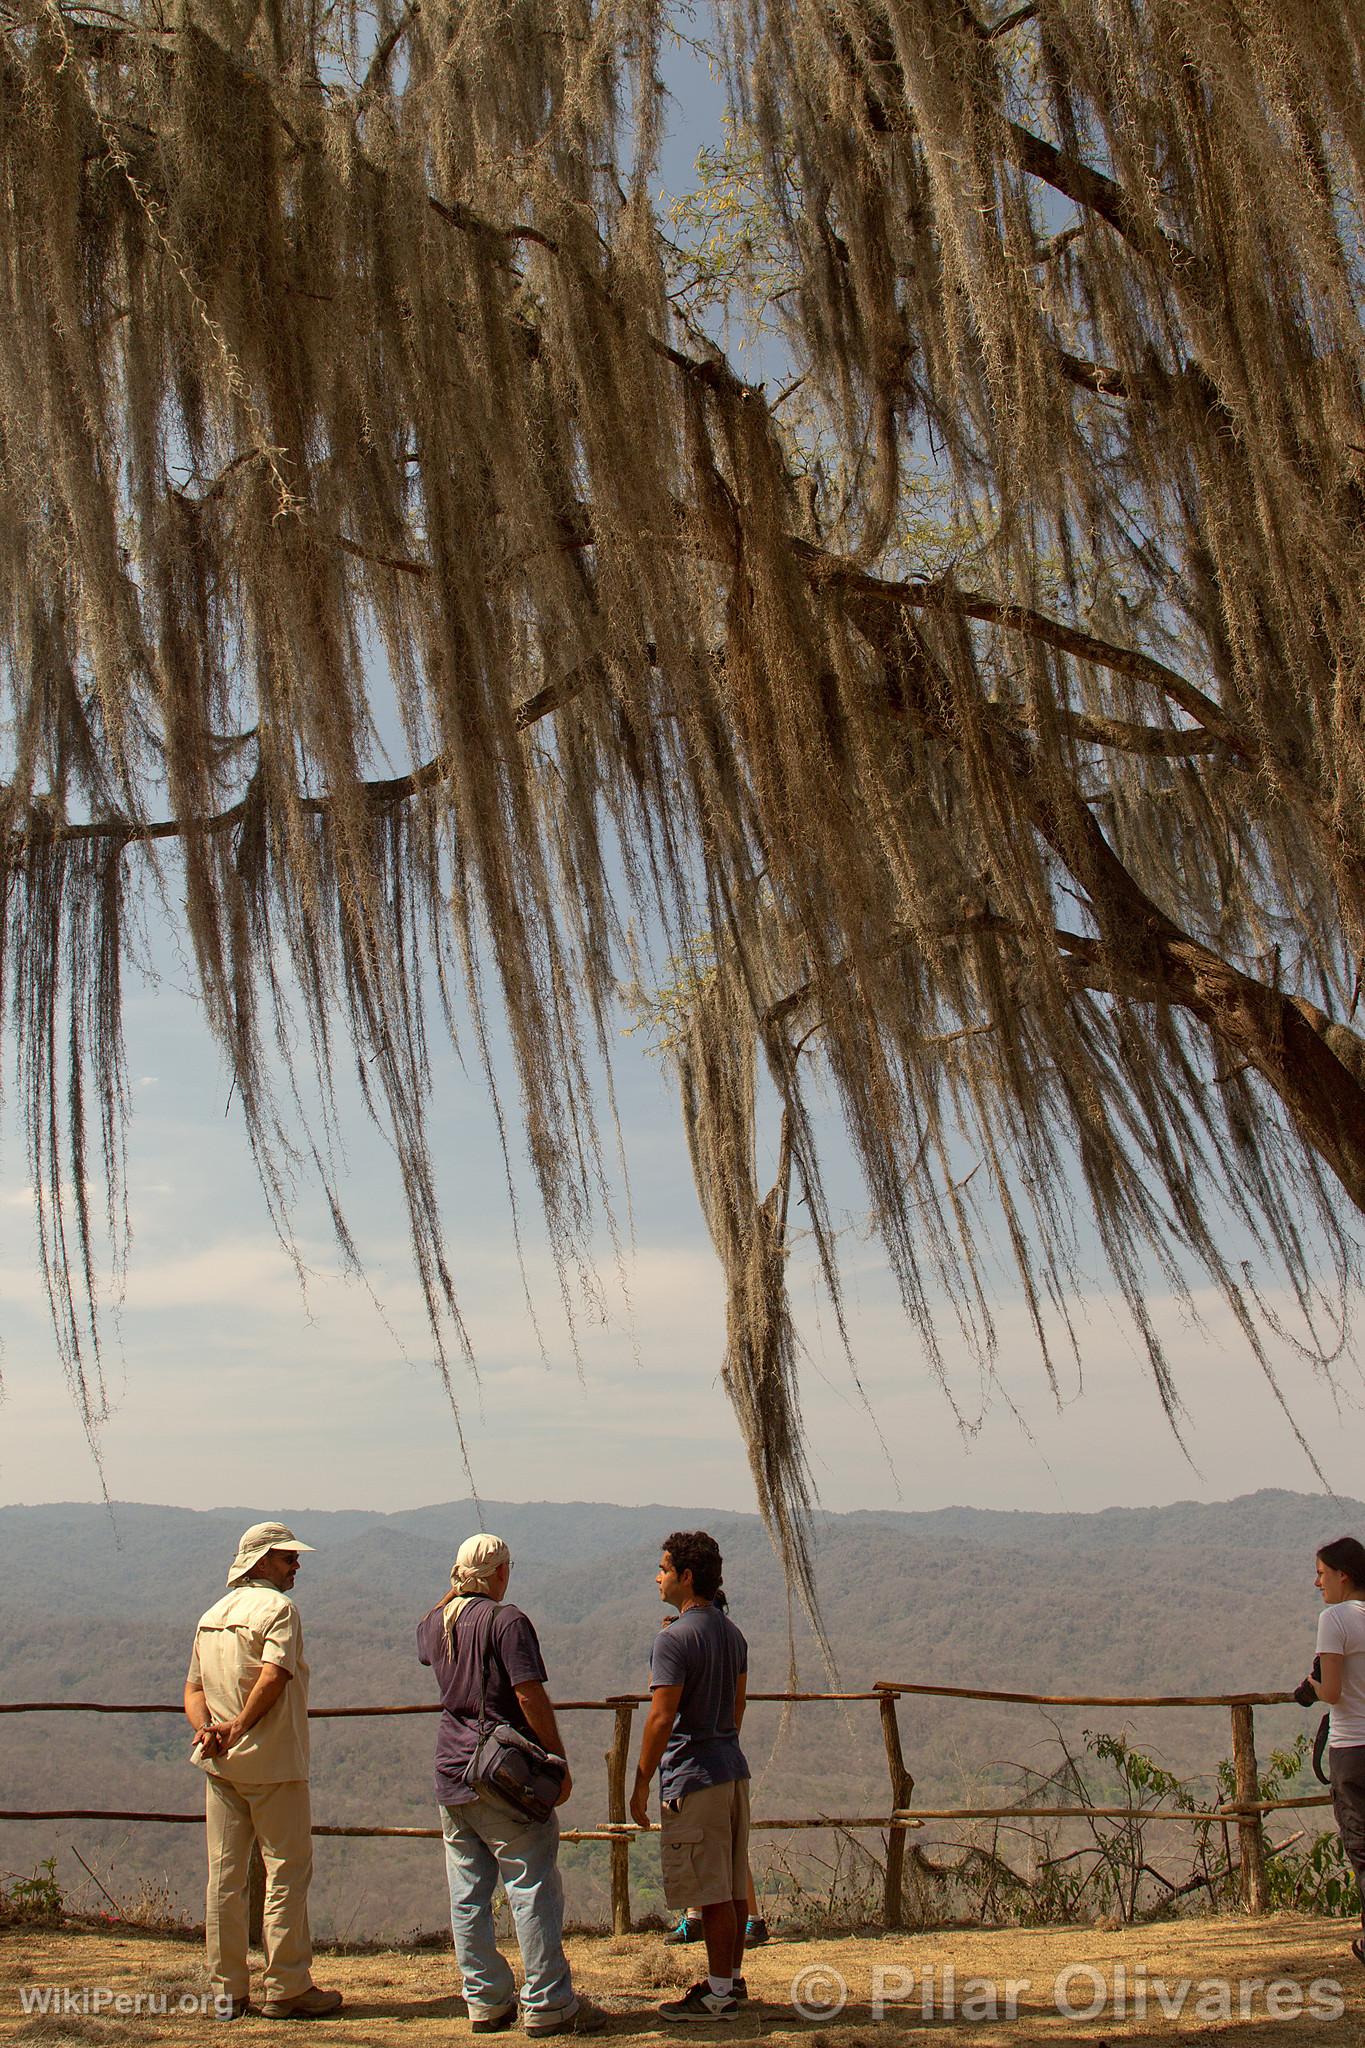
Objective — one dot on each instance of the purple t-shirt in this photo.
(515, 1660)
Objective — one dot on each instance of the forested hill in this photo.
(84, 1559)
(100, 1605)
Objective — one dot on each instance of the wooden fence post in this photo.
(618, 1759)
(1250, 1826)
(902, 1785)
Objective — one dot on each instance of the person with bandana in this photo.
(485, 1837)
(246, 1698)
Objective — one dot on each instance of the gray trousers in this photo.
(1347, 1770)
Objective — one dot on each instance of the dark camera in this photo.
(1303, 1691)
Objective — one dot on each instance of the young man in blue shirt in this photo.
(698, 1675)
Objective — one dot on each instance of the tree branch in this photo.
(824, 570)
(405, 564)
(1170, 741)
(1103, 378)
(989, 30)
(832, 569)
(382, 793)
(1094, 191)
(384, 49)
(1302, 1056)
(1287, 1041)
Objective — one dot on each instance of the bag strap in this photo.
(1320, 1742)
(483, 1670)
(484, 1660)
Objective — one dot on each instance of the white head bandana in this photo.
(471, 1575)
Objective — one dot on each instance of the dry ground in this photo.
(396, 1999)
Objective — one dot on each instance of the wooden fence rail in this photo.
(1246, 1811)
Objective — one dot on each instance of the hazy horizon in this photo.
(675, 1507)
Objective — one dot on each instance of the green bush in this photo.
(36, 1899)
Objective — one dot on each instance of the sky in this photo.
(227, 1381)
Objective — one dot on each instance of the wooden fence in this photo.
(1245, 1810)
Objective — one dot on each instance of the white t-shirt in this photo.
(1341, 1630)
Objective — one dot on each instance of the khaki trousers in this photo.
(278, 1817)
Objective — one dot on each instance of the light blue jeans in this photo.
(486, 1840)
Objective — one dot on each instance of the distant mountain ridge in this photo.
(561, 1533)
(99, 1604)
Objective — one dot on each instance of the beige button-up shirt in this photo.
(252, 1625)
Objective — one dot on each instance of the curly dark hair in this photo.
(692, 1550)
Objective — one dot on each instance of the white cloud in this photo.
(226, 1373)
(230, 1380)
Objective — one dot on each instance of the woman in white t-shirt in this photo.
(1341, 1688)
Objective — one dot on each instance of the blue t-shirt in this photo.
(705, 1654)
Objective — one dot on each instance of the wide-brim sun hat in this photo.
(256, 1541)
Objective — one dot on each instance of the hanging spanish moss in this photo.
(346, 391)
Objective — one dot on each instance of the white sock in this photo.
(722, 1986)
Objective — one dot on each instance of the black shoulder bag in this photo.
(507, 1762)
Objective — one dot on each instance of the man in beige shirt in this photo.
(246, 1698)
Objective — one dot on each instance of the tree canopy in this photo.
(989, 696)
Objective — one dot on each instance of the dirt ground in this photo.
(1271, 1982)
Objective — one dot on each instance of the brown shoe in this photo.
(312, 2004)
(586, 2019)
(496, 2022)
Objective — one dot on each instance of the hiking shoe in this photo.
(312, 2004)
(495, 2022)
(687, 1929)
(230, 2008)
(701, 2003)
(755, 1933)
(587, 2019)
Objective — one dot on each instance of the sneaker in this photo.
(739, 1990)
(587, 2019)
(495, 2022)
(1358, 1949)
(755, 1933)
(687, 1929)
(700, 2003)
(312, 2004)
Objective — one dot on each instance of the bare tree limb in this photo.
(1094, 191)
